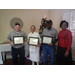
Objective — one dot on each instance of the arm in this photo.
(9, 39)
(25, 36)
(56, 39)
(10, 42)
(69, 44)
(39, 41)
(69, 41)
(28, 38)
(42, 36)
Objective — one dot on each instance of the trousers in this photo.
(48, 50)
(21, 53)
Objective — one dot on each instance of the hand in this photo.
(12, 43)
(51, 44)
(25, 40)
(66, 54)
(38, 45)
(24, 43)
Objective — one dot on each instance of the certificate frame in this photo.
(18, 40)
(31, 42)
(46, 38)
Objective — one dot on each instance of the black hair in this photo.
(17, 24)
(33, 26)
(63, 22)
(49, 21)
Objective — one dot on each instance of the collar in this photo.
(64, 29)
(49, 29)
(16, 32)
(32, 33)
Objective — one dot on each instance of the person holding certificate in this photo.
(34, 45)
(50, 37)
(17, 40)
(64, 55)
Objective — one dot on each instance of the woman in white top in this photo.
(34, 50)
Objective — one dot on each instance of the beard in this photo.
(49, 27)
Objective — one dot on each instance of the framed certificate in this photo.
(47, 39)
(33, 41)
(17, 40)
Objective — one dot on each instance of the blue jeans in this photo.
(48, 50)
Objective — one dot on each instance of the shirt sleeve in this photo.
(56, 36)
(69, 41)
(28, 37)
(42, 33)
(39, 38)
(9, 36)
(25, 35)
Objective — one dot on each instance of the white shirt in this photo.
(33, 50)
(35, 34)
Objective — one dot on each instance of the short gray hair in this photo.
(33, 26)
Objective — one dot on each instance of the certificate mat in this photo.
(33, 41)
(47, 39)
(18, 39)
